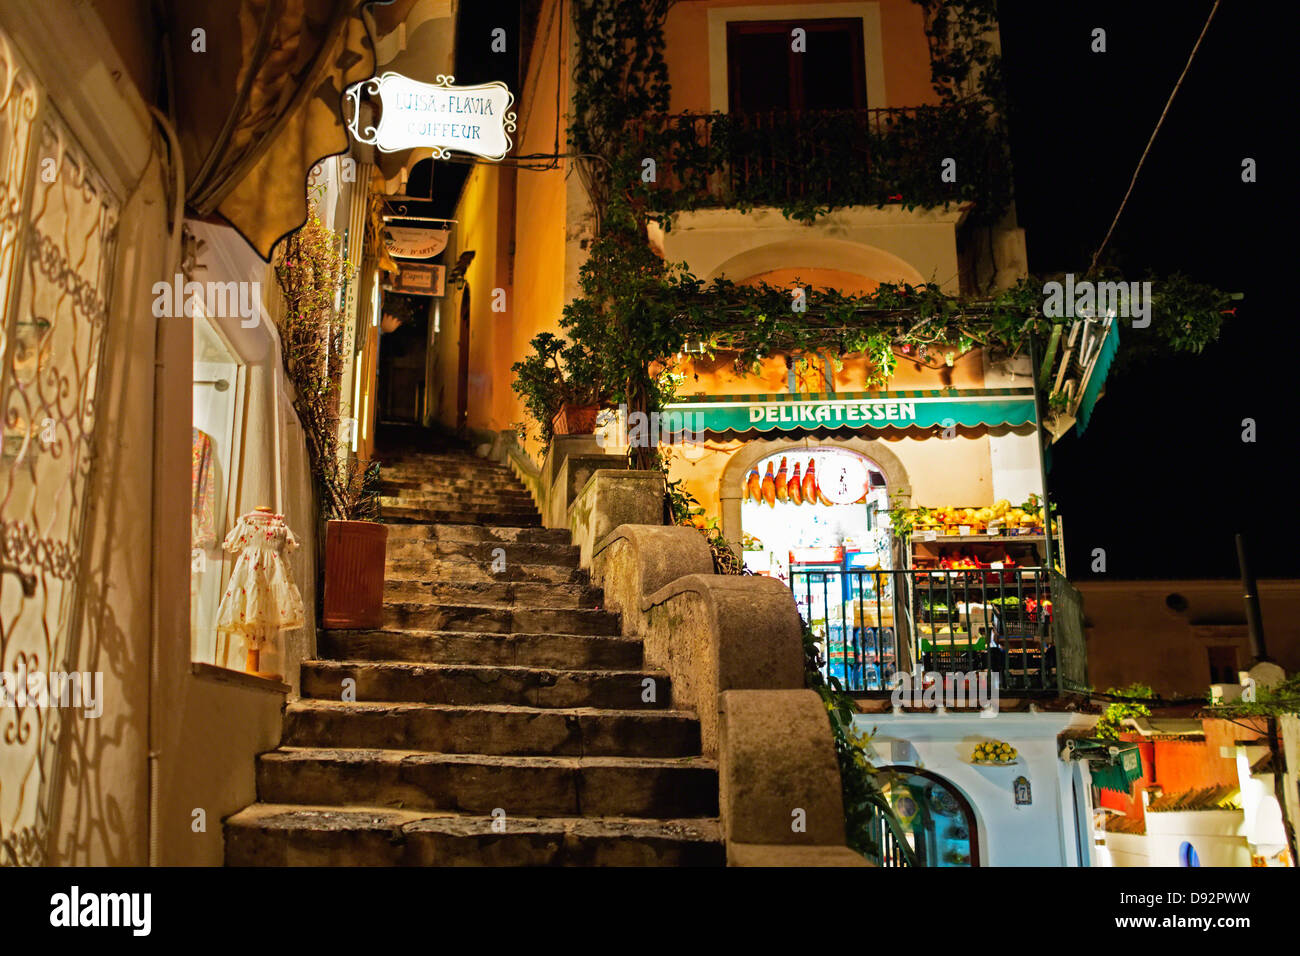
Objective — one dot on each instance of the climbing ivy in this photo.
(635, 311)
(964, 61)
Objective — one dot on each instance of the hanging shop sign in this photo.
(417, 278)
(944, 408)
(445, 118)
(409, 242)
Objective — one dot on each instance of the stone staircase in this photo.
(499, 718)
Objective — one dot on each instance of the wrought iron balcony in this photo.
(1022, 625)
(805, 161)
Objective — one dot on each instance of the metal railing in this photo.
(890, 846)
(836, 157)
(872, 625)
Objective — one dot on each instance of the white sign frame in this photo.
(414, 242)
(393, 134)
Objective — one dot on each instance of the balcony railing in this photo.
(873, 625)
(826, 158)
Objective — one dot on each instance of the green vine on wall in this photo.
(635, 311)
(964, 61)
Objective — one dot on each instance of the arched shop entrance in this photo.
(809, 512)
(803, 505)
(937, 820)
(734, 479)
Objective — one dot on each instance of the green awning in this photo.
(1121, 772)
(1105, 357)
(918, 408)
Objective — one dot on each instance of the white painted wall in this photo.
(1016, 471)
(1216, 835)
(1041, 834)
(890, 244)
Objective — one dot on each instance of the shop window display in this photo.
(218, 387)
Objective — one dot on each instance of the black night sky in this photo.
(1161, 479)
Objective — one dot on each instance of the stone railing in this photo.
(731, 646)
(732, 650)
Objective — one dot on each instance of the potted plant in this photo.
(311, 271)
(562, 384)
(356, 548)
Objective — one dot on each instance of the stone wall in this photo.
(732, 649)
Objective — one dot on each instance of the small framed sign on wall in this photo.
(418, 279)
(1024, 795)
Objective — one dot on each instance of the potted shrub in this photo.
(356, 547)
(562, 386)
(310, 271)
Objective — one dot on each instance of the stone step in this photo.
(465, 571)
(499, 619)
(457, 504)
(423, 515)
(530, 594)
(469, 684)
(456, 482)
(446, 468)
(649, 787)
(483, 555)
(479, 534)
(415, 481)
(502, 503)
(469, 496)
(396, 514)
(559, 651)
(450, 482)
(267, 834)
(494, 730)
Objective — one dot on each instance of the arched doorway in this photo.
(462, 363)
(937, 820)
(811, 497)
(811, 513)
(732, 484)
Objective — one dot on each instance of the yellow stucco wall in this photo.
(514, 220)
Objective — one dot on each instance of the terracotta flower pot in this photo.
(575, 420)
(354, 574)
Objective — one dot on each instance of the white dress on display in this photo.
(261, 599)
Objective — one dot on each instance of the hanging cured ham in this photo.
(769, 486)
(754, 486)
(795, 486)
(781, 492)
(810, 490)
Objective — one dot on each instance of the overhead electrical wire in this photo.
(1165, 112)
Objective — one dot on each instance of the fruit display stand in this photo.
(968, 607)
